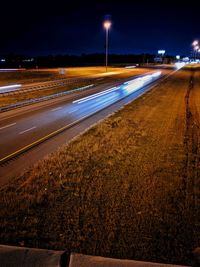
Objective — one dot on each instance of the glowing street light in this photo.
(195, 43)
(107, 24)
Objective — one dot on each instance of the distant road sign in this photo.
(161, 52)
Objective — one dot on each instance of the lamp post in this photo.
(198, 53)
(196, 48)
(107, 25)
(195, 45)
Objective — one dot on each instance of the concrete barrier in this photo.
(11, 256)
(80, 260)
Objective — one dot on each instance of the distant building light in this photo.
(178, 57)
(28, 60)
(161, 52)
(185, 59)
(3, 60)
(157, 59)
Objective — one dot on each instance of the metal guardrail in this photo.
(44, 98)
(43, 86)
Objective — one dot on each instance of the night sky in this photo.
(75, 27)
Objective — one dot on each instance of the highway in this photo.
(23, 128)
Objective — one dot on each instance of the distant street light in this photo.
(107, 24)
(196, 49)
(195, 43)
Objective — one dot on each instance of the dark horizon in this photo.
(76, 28)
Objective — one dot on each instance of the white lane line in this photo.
(73, 110)
(55, 109)
(9, 125)
(28, 130)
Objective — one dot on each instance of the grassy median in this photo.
(126, 188)
(27, 76)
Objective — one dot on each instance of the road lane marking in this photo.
(9, 125)
(73, 110)
(37, 142)
(28, 130)
(55, 109)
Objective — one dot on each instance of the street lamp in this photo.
(195, 43)
(196, 48)
(107, 24)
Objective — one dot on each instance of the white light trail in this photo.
(10, 87)
(95, 95)
(128, 87)
(7, 70)
(179, 65)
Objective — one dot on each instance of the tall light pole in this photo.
(196, 48)
(195, 45)
(107, 25)
(198, 53)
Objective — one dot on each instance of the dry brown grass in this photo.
(27, 76)
(123, 189)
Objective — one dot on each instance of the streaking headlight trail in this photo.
(9, 88)
(179, 65)
(95, 95)
(124, 89)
